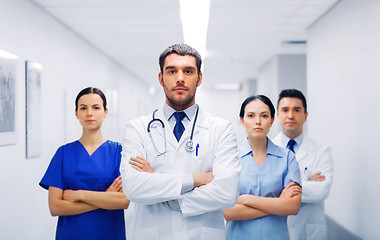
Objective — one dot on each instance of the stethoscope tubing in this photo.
(189, 146)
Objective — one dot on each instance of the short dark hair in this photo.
(292, 93)
(88, 91)
(180, 49)
(262, 98)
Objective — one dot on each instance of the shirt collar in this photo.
(272, 149)
(285, 139)
(245, 149)
(168, 111)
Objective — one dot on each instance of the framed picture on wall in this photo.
(7, 102)
(33, 109)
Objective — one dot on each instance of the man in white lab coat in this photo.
(316, 166)
(179, 164)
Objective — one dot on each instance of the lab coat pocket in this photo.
(150, 233)
(212, 233)
(203, 160)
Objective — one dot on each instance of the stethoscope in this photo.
(189, 146)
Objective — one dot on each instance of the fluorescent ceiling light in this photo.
(194, 17)
(7, 55)
(228, 86)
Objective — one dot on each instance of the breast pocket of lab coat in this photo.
(203, 160)
(307, 166)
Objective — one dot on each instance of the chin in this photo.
(290, 129)
(258, 135)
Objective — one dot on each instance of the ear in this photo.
(105, 113)
(76, 114)
(200, 75)
(306, 116)
(242, 121)
(271, 123)
(161, 79)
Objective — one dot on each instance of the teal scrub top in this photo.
(73, 168)
(279, 169)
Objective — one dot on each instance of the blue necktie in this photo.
(291, 144)
(179, 128)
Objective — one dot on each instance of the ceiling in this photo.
(242, 34)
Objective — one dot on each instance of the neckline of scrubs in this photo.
(262, 165)
(271, 150)
(253, 158)
(90, 155)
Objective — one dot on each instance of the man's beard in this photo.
(182, 103)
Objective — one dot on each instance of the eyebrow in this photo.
(92, 105)
(291, 107)
(260, 113)
(187, 67)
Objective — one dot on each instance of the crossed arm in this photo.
(252, 207)
(142, 165)
(317, 188)
(70, 202)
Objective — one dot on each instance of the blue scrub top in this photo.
(279, 169)
(73, 168)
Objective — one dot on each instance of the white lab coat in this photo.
(310, 222)
(201, 209)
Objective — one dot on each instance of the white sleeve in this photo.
(223, 191)
(312, 191)
(143, 187)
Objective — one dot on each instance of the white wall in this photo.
(225, 104)
(268, 78)
(282, 72)
(292, 73)
(343, 93)
(69, 65)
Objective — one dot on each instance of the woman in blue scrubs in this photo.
(269, 179)
(83, 178)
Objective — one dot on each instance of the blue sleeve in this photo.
(53, 175)
(118, 152)
(293, 172)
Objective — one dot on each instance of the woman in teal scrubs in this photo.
(269, 179)
(83, 178)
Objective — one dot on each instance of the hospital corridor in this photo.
(51, 50)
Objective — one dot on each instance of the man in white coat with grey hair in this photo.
(316, 166)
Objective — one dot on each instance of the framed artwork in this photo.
(33, 109)
(7, 102)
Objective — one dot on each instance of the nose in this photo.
(291, 114)
(89, 112)
(258, 120)
(180, 77)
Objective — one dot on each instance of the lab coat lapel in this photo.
(304, 149)
(170, 138)
(201, 122)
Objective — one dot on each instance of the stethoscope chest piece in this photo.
(189, 146)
